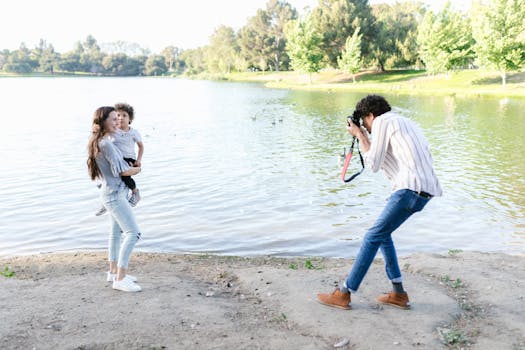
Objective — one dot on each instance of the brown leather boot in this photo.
(335, 299)
(399, 300)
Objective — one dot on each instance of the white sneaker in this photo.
(134, 198)
(101, 211)
(112, 276)
(126, 285)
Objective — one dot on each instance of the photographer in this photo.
(398, 148)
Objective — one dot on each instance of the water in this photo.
(235, 168)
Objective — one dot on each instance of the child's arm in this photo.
(138, 162)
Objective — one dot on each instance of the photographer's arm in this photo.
(364, 141)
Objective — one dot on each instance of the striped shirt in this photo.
(399, 148)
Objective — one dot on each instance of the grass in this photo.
(453, 252)
(7, 272)
(308, 264)
(452, 283)
(411, 82)
(453, 336)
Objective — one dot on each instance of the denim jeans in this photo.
(400, 206)
(124, 229)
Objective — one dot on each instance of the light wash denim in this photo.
(124, 229)
(400, 206)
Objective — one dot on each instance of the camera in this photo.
(355, 118)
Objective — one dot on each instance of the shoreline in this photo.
(475, 83)
(61, 301)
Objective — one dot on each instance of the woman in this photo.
(106, 163)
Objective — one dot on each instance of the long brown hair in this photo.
(97, 133)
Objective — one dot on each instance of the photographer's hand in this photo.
(361, 135)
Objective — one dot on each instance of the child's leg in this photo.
(135, 196)
(129, 182)
(127, 179)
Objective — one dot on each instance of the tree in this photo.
(19, 61)
(129, 48)
(70, 62)
(155, 65)
(194, 60)
(279, 14)
(445, 40)
(396, 26)
(171, 56)
(303, 46)
(337, 20)
(4, 55)
(223, 51)
(91, 56)
(350, 60)
(499, 30)
(47, 57)
(262, 40)
(122, 65)
(255, 42)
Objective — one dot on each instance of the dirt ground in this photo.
(459, 300)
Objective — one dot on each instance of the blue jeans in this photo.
(400, 206)
(122, 224)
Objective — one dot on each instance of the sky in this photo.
(153, 24)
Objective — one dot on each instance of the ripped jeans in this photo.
(124, 229)
(400, 206)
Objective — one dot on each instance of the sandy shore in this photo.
(61, 301)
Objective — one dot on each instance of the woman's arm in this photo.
(134, 170)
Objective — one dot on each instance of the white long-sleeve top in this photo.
(399, 148)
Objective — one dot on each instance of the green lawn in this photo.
(467, 82)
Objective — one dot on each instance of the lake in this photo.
(240, 169)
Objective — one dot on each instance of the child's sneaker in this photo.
(101, 211)
(134, 198)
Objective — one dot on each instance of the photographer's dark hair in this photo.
(374, 104)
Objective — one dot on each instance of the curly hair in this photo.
(126, 108)
(97, 133)
(374, 104)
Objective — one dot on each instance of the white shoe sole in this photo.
(127, 287)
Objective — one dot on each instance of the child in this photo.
(125, 139)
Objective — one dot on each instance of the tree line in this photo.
(349, 35)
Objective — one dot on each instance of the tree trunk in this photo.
(353, 78)
(277, 68)
(380, 66)
(503, 79)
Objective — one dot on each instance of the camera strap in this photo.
(348, 158)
